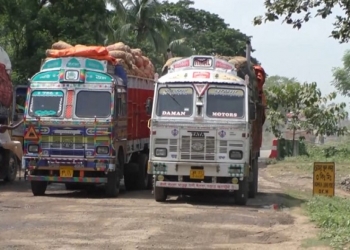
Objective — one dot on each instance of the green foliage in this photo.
(27, 32)
(308, 108)
(332, 215)
(278, 81)
(341, 76)
(298, 12)
(338, 152)
(286, 148)
(205, 33)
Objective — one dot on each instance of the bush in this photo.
(333, 217)
(337, 152)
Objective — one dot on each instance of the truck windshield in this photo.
(225, 103)
(175, 101)
(93, 103)
(46, 103)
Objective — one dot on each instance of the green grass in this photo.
(338, 152)
(314, 242)
(333, 217)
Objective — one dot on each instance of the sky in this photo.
(308, 54)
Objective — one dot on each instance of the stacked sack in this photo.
(133, 60)
(57, 46)
(6, 88)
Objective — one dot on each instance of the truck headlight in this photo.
(33, 148)
(102, 150)
(160, 152)
(235, 154)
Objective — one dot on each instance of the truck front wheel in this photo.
(253, 185)
(12, 168)
(38, 187)
(144, 180)
(112, 186)
(160, 194)
(241, 195)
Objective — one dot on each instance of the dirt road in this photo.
(76, 220)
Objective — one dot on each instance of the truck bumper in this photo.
(76, 170)
(194, 185)
(66, 179)
(238, 170)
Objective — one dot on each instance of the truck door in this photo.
(19, 99)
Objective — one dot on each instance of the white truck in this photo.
(201, 128)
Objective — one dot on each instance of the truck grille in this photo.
(64, 142)
(193, 148)
(165, 142)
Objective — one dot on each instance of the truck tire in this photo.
(130, 176)
(112, 186)
(253, 186)
(160, 194)
(144, 181)
(12, 168)
(241, 195)
(38, 187)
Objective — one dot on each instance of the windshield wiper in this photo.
(172, 95)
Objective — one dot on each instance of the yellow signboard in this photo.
(324, 178)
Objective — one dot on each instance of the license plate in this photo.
(66, 172)
(197, 174)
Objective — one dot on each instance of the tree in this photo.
(28, 32)
(147, 24)
(341, 76)
(287, 9)
(278, 81)
(142, 19)
(205, 32)
(304, 103)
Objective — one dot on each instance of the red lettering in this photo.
(185, 63)
(222, 65)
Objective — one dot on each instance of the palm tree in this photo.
(142, 19)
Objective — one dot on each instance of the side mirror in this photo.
(15, 117)
(149, 104)
(252, 111)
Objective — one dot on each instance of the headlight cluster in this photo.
(160, 152)
(235, 154)
(33, 148)
(102, 150)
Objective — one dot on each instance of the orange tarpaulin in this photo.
(263, 97)
(93, 52)
(260, 75)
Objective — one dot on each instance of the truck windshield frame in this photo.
(225, 102)
(175, 101)
(93, 103)
(46, 103)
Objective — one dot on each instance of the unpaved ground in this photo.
(76, 220)
(289, 174)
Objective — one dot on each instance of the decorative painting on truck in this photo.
(204, 62)
(46, 103)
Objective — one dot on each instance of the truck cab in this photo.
(85, 124)
(200, 129)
